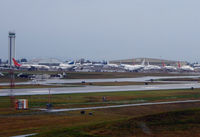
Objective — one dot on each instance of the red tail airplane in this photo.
(163, 64)
(16, 63)
(179, 65)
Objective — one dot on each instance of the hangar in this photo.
(152, 61)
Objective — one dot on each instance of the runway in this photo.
(64, 81)
(119, 106)
(90, 89)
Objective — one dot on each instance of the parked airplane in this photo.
(185, 67)
(169, 68)
(16, 63)
(152, 67)
(65, 66)
(112, 65)
(133, 67)
(196, 66)
(97, 64)
(30, 66)
(86, 64)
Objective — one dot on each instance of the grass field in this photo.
(122, 122)
(93, 99)
(6, 80)
(112, 98)
(86, 75)
(175, 123)
(179, 79)
(103, 122)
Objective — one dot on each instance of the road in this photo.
(90, 89)
(118, 106)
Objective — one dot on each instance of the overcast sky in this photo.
(102, 29)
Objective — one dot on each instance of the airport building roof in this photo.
(48, 62)
(152, 61)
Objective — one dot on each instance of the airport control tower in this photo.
(11, 55)
(11, 48)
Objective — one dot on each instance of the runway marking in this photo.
(39, 91)
(149, 87)
(118, 106)
(27, 135)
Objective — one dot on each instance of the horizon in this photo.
(86, 59)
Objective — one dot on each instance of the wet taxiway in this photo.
(63, 81)
(89, 89)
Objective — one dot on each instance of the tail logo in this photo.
(16, 63)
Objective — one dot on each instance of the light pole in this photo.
(49, 96)
(49, 105)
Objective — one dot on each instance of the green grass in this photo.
(157, 124)
(68, 132)
(179, 79)
(7, 80)
(113, 98)
(104, 122)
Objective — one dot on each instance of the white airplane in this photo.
(152, 67)
(196, 65)
(25, 66)
(65, 66)
(40, 66)
(112, 65)
(185, 67)
(133, 67)
(171, 68)
(98, 64)
(86, 64)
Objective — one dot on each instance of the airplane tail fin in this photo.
(71, 63)
(163, 64)
(148, 63)
(179, 65)
(143, 62)
(16, 63)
